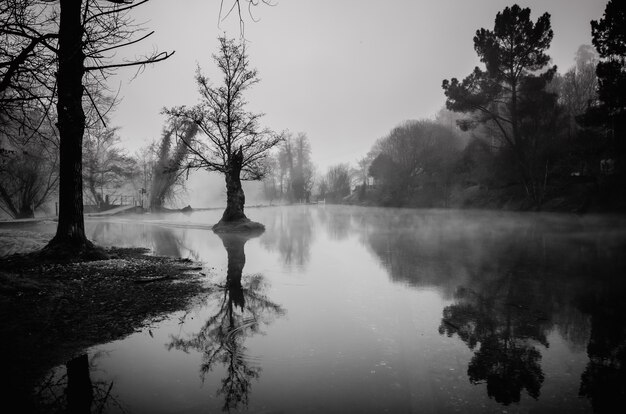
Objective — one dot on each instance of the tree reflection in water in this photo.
(507, 321)
(74, 392)
(163, 241)
(243, 308)
(604, 378)
(290, 231)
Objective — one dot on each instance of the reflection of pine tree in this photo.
(243, 307)
(507, 366)
(506, 324)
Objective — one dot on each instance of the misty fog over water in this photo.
(348, 309)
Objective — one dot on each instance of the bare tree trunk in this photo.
(71, 125)
(235, 198)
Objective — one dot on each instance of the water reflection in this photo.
(290, 231)
(509, 325)
(243, 308)
(72, 391)
(460, 311)
(604, 379)
(162, 240)
(337, 222)
(514, 282)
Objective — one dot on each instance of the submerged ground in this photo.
(343, 309)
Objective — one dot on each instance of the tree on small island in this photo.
(230, 141)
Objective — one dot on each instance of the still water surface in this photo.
(338, 309)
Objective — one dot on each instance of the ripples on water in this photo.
(341, 309)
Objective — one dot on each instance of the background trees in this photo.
(290, 170)
(577, 88)
(28, 143)
(105, 163)
(414, 164)
(337, 183)
(28, 163)
(231, 140)
(169, 160)
(28, 177)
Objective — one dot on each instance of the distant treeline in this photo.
(516, 134)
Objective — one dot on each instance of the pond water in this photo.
(339, 309)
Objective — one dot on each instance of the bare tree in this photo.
(231, 141)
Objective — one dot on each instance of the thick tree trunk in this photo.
(235, 198)
(71, 125)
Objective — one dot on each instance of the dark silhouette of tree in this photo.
(507, 91)
(609, 38)
(242, 309)
(231, 141)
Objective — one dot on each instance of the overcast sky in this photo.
(345, 72)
